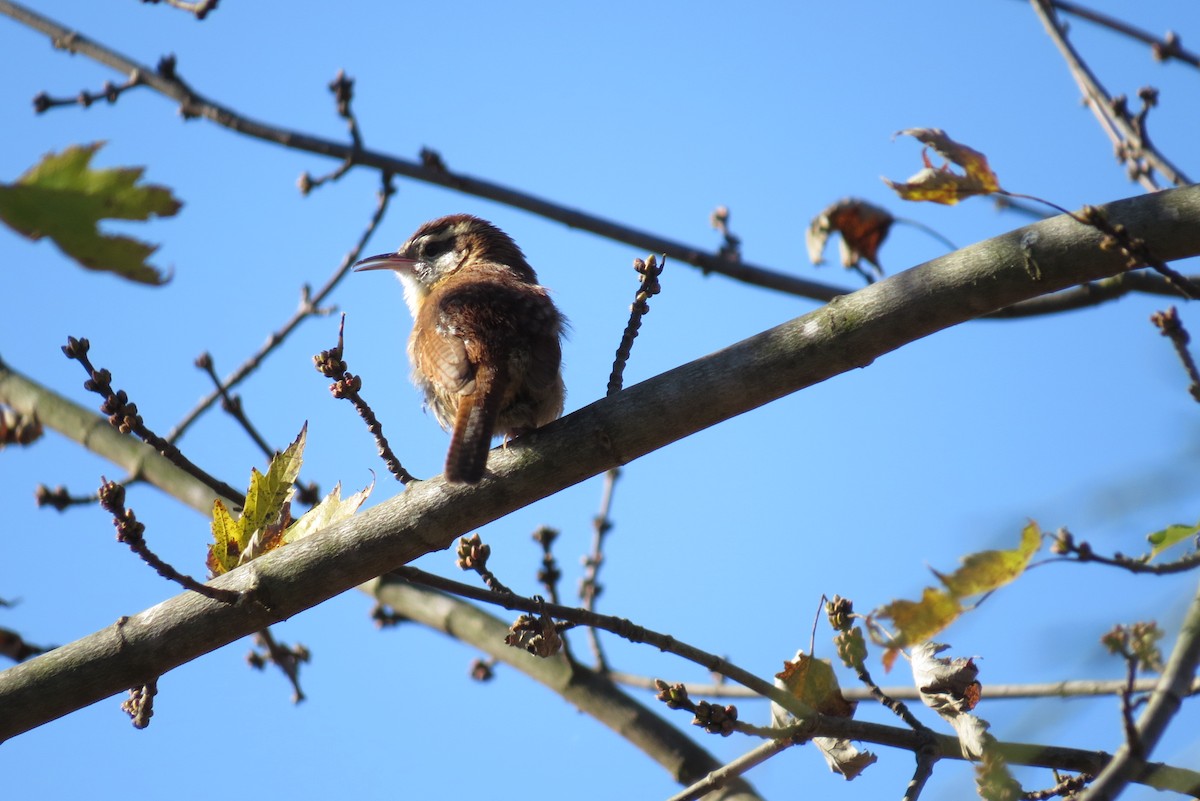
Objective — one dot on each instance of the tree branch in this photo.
(93, 432)
(1173, 687)
(1130, 140)
(591, 692)
(431, 169)
(849, 333)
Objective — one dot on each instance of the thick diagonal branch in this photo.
(848, 333)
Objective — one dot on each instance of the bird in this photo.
(486, 343)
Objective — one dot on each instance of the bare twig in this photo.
(309, 307)
(343, 92)
(1164, 49)
(1128, 133)
(124, 417)
(330, 364)
(548, 574)
(721, 777)
(110, 92)
(1165, 702)
(811, 723)
(648, 272)
(130, 531)
(852, 650)
(1065, 545)
(1078, 688)
(1169, 324)
(308, 494)
(232, 405)
(433, 170)
(1066, 787)
(286, 659)
(589, 586)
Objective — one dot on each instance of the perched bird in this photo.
(486, 344)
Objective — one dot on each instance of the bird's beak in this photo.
(384, 261)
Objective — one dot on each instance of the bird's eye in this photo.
(433, 248)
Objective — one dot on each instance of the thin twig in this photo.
(1169, 324)
(308, 494)
(310, 305)
(232, 405)
(1164, 704)
(432, 170)
(130, 531)
(1065, 546)
(589, 586)
(720, 777)
(548, 574)
(1077, 688)
(15, 647)
(1129, 138)
(124, 416)
(648, 273)
(331, 364)
(343, 92)
(812, 723)
(110, 92)
(286, 659)
(1163, 49)
(1128, 705)
(1066, 787)
(619, 626)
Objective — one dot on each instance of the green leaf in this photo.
(270, 491)
(1169, 536)
(63, 198)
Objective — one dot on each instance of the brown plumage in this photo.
(486, 340)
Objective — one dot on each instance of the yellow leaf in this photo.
(265, 516)
(987, 570)
(814, 682)
(942, 184)
(332, 509)
(227, 544)
(916, 621)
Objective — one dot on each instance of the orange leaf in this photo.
(863, 227)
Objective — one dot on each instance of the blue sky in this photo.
(651, 117)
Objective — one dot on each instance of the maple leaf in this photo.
(63, 198)
(980, 573)
(942, 184)
(266, 512)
